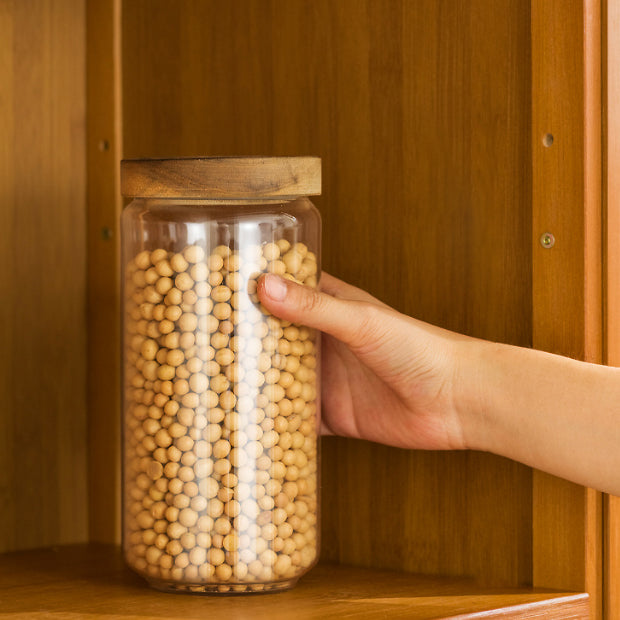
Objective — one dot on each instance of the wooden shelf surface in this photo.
(91, 581)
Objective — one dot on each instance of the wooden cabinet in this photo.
(454, 136)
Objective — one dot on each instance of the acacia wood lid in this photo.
(221, 177)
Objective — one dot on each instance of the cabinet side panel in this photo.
(421, 113)
(611, 187)
(566, 198)
(43, 457)
(103, 147)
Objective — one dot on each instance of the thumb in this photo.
(346, 320)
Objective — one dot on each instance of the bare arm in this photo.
(554, 413)
(395, 380)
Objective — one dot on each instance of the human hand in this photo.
(392, 379)
(385, 377)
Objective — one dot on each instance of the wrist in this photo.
(503, 400)
(477, 391)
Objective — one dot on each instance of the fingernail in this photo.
(275, 287)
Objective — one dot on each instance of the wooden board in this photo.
(421, 114)
(611, 194)
(91, 582)
(222, 178)
(567, 277)
(104, 205)
(43, 279)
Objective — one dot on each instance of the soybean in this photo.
(221, 460)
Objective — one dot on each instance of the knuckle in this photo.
(311, 302)
(369, 326)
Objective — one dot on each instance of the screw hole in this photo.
(104, 145)
(548, 140)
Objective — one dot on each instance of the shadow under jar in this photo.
(220, 398)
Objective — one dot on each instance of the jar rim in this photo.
(226, 178)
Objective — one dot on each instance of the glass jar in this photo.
(220, 398)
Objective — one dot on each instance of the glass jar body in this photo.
(220, 398)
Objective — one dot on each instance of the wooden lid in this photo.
(221, 177)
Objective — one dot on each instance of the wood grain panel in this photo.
(611, 195)
(91, 582)
(566, 194)
(43, 282)
(421, 114)
(8, 478)
(612, 558)
(103, 147)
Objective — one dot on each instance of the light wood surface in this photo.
(611, 179)
(104, 150)
(567, 278)
(612, 558)
(420, 112)
(43, 457)
(611, 194)
(91, 582)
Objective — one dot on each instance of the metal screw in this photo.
(107, 233)
(547, 240)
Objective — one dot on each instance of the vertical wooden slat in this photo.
(43, 279)
(567, 278)
(104, 147)
(611, 187)
(612, 558)
(7, 216)
(593, 276)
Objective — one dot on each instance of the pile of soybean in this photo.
(220, 469)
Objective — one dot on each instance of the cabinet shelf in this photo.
(430, 119)
(91, 581)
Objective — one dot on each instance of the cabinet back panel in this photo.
(421, 113)
(43, 275)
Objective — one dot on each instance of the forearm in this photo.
(552, 413)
